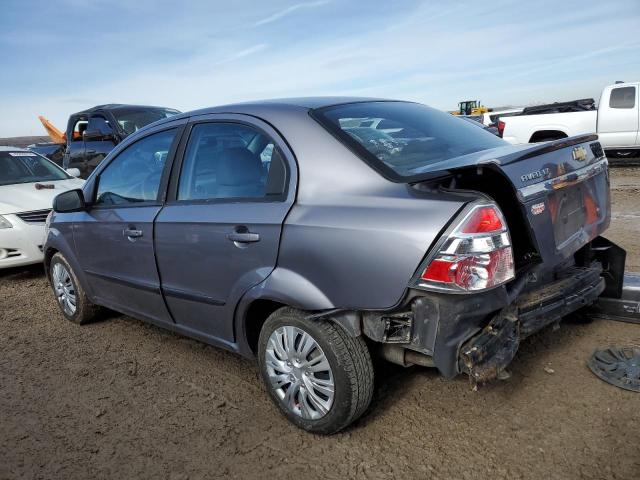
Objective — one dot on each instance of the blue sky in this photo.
(59, 57)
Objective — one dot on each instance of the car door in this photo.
(114, 237)
(618, 117)
(219, 232)
(99, 140)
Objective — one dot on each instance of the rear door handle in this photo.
(132, 232)
(244, 237)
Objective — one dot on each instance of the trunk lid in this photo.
(562, 188)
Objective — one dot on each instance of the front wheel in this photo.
(72, 299)
(319, 376)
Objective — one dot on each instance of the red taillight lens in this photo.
(482, 220)
(477, 255)
(439, 271)
(500, 128)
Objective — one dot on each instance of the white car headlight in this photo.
(4, 223)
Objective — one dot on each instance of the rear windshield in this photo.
(26, 167)
(401, 139)
(134, 119)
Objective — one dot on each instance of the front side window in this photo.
(134, 175)
(624, 97)
(404, 139)
(230, 160)
(27, 167)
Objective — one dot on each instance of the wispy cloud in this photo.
(289, 11)
(501, 58)
(243, 53)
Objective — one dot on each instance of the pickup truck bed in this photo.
(616, 121)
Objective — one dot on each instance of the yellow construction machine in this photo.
(470, 107)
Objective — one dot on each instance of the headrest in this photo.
(238, 166)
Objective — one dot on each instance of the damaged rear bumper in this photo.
(485, 355)
(479, 334)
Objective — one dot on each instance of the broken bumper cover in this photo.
(485, 355)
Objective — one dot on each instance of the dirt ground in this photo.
(122, 399)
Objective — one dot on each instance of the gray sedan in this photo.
(313, 233)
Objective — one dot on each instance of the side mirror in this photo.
(74, 172)
(70, 201)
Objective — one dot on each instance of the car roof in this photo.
(307, 103)
(276, 105)
(117, 107)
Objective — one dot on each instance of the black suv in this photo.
(93, 133)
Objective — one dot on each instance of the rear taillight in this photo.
(500, 128)
(476, 255)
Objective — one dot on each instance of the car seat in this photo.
(239, 174)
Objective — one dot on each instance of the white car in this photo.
(616, 121)
(28, 183)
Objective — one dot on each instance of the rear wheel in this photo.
(319, 376)
(71, 297)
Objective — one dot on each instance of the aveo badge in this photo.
(537, 208)
(536, 174)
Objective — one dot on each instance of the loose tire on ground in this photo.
(351, 370)
(84, 311)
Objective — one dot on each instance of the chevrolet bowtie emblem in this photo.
(579, 154)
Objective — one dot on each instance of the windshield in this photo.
(132, 120)
(403, 139)
(27, 167)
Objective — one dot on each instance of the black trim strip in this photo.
(193, 297)
(557, 145)
(126, 282)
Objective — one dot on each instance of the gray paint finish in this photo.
(344, 237)
(335, 228)
(196, 257)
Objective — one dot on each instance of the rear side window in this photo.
(134, 175)
(624, 97)
(404, 139)
(230, 160)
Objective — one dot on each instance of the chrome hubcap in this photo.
(299, 372)
(64, 288)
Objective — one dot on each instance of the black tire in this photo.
(350, 364)
(85, 311)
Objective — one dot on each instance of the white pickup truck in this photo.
(616, 121)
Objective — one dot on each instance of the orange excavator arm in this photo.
(56, 135)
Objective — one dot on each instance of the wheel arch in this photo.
(57, 242)
(48, 255)
(283, 288)
(549, 134)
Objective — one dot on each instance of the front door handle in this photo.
(132, 232)
(243, 237)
